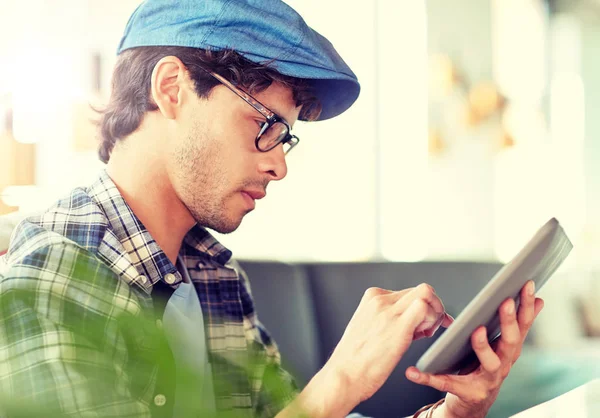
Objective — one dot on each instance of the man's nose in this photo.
(273, 163)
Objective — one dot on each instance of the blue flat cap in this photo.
(260, 30)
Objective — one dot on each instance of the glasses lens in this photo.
(275, 134)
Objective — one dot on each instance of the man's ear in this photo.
(169, 78)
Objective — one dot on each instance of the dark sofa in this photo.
(307, 307)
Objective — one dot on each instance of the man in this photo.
(118, 302)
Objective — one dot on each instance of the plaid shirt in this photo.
(76, 284)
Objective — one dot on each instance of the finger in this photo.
(429, 329)
(380, 299)
(425, 292)
(385, 297)
(432, 321)
(448, 320)
(444, 383)
(410, 320)
(435, 314)
(526, 312)
(511, 340)
(538, 306)
(488, 359)
(419, 335)
(437, 325)
(394, 297)
(374, 292)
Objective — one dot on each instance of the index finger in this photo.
(424, 292)
(410, 320)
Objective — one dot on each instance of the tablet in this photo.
(537, 261)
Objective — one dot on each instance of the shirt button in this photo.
(200, 265)
(160, 399)
(170, 278)
(159, 324)
(143, 279)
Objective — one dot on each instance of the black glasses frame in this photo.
(271, 117)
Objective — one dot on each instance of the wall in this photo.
(460, 181)
(360, 186)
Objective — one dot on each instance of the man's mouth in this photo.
(250, 198)
(255, 194)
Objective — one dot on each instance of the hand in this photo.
(473, 394)
(379, 333)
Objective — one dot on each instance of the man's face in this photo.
(214, 166)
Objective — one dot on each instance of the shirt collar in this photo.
(202, 241)
(144, 252)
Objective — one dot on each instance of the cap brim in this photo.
(335, 91)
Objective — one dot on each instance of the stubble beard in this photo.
(203, 185)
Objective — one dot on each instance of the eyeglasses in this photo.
(274, 131)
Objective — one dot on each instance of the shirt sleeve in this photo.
(63, 348)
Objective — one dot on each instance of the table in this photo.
(581, 402)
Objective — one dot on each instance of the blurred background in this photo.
(478, 120)
(475, 124)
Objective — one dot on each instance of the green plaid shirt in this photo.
(78, 335)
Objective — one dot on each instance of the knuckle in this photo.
(513, 338)
(425, 288)
(487, 392)
(479, 344)
(508, 318)
(378, 302)
(494, 387)
(479, 395)
(445, 384)
(496, 367)
(504, 372)
(421, 305)
(527, 323)
(371, 292)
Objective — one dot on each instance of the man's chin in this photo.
(225, 231)
(225, 226)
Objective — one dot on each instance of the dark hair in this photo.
(130, 96)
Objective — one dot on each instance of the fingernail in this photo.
(413, 374)
(531, 289)
(510, 309)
